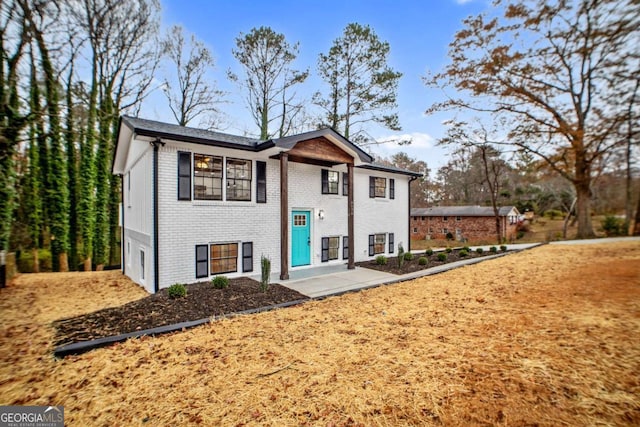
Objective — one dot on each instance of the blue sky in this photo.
(418, 32)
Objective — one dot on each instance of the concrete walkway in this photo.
(337, 279)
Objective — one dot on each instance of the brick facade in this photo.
(186, 225)
(425, 225)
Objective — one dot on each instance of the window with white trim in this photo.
(380, 243)
(224, 258)
(238, 179)
(207, 177)
(330, 180)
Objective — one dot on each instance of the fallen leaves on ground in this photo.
(547, 336)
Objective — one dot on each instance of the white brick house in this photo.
(197, 204)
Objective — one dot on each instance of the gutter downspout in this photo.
(156, 253)
(413, 178)
(123, 244)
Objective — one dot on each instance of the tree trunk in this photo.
(36, 261)
(582, 183)
(64, 262)
(87, 264)
(566, 220)
(636, 228)
(583, 211)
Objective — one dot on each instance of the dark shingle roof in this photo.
(385, 168)
(460, 211)
(152, 128)
(170, 131)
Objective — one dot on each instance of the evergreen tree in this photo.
(362, 86)
(57, 193)
(72, 172)
(266, 57)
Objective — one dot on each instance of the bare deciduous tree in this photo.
(548, 69)
(192, 95)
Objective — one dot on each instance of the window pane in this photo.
(332, 178)
(380, 241)
(224, 258)
(207, 177)
(380, 187)
(238, 179)
(334, 244)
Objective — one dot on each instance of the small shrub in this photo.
(428, 252)
(381, 260)
(493, 249)
(503, 248)
(553, 214)
(449, 236)
(466, 248)
(177, 290)
(400, 256)
(265, 266)
(479, 250)
(423, 261)
(442, 256)
(612, 226)
(449, 250)
(408, 256)
(25, 261)
(220, 282)
(463, 253)
(519, 234)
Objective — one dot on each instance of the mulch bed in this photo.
(412, 266)
(202, 301)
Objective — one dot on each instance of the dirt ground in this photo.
(547, 337)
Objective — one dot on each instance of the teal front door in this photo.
(300, 238)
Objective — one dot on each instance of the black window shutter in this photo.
(391, 243)
(247, 257)
(345, 247)
(392, 188)
(261, 182)
(372, 244)
(202, 261)
(325, 181)
(325, 249)
(184, 175)
(345, 184)
(372, 187)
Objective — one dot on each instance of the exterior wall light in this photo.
(321, 214)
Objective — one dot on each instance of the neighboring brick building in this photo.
(475, 223)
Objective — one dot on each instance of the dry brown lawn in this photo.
(549, 336)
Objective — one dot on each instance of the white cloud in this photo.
(463, 1)
(423, 147)
(418, 140)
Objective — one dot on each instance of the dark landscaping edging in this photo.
(84, 346)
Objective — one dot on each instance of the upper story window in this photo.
(445, 218)
(377, 187)
(238, 179)
(207, 177)
(330, 180)
(210, 172)
(458, 218)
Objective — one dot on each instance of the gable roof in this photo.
(462, 211)
(130, 126)
(288, 142)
